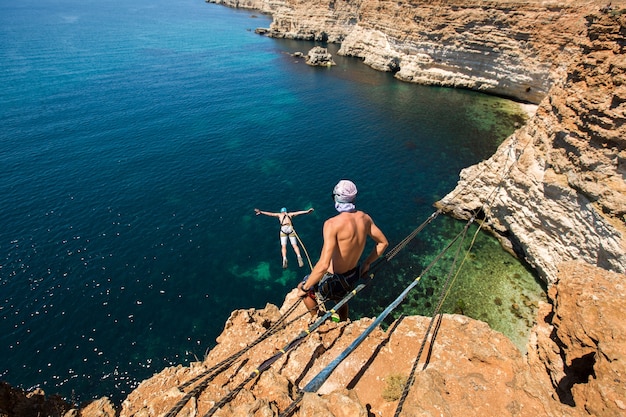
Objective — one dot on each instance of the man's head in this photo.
(283, 210)
(345, 192)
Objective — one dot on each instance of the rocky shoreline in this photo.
(559, 204)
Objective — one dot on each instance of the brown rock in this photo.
(575, 364)
(588, 339)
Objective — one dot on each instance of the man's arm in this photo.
(321, 267)
(381, 244)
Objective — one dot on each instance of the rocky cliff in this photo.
(575, 366)
(511, 48)
(554, 193)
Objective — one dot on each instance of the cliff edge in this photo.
(575, 365)
(560, 189)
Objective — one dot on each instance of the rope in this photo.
(308, 258)
(288, 347)
(257, 372)
(215, 370)
(293, 406)
(444, 291)
(447, 286)
(322, 376)
(507, 150)
(211, 373)
(393, 252)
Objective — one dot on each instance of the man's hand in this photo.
(301, 293)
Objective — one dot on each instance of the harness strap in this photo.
(283, 219)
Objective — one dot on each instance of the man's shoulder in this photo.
(347, 216)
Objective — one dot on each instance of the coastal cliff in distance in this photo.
(516, 49)
(554, 193)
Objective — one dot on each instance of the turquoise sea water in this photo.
(137, 137)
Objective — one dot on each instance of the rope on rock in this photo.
(436, 317)
(442, 296)
(210, 374)
(288, 347)
(296, 341)
(323, 375)
(207, 376)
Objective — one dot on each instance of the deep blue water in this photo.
(137, 137)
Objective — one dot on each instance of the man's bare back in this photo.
(350, 232)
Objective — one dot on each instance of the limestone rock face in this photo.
(510, 48)
(486, 46)
(557, 186)
(15, 402)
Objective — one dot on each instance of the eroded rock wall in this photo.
(509, 48)
(456, 375)
(559, 182)
(575, 365)
(504, 48)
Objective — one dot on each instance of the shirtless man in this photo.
(286, 231)
(345, 236)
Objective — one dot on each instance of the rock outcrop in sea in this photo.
(319, 57)
(554, 193)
